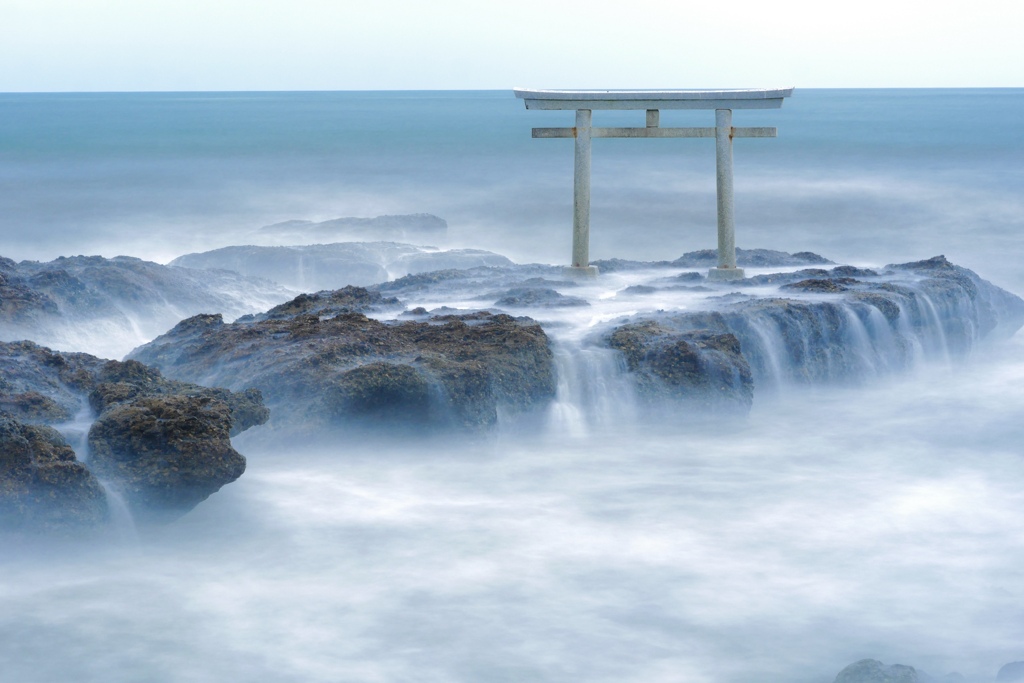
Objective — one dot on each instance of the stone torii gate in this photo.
(722, 101)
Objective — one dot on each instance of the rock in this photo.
(822, 285)
(700, 366)
(166, 453)
(1011, 673)
(870, 327)
(873, 671)
(350, 370)
(542, 297)
(329, 304)
(43, 487)
(162, 442)
(750, 258)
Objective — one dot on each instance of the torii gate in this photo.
(722, 101)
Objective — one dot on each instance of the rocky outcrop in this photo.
(165, 453)
(162, 444)
(329, 304)
(94, 302)
(530, 297)
(43, 487)
(314, 267)
(873, 671)
(708, 258)
(703, 368)
(348, 369)
(836, 325)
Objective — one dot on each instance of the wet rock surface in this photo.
(444, 371)
(163, 444)
(871, 323)
(702, 367)
(166, 453)
(527, 297)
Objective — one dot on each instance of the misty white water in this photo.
(836, 522)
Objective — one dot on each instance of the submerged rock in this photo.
(545, 297)
(43, 487)
(449, 370)
(314, 267)
(873, 671)
(163, 444)
(1010, 673)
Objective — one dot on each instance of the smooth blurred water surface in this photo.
(833, 524)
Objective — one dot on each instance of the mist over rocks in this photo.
(92, 301)
(314, 267)
(416, 227)
(162, 444)
(316, 371)
(874, 671)
(708, 258)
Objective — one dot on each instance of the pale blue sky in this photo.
(457, 44)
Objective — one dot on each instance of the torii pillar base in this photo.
(721, 274)
(580, 271)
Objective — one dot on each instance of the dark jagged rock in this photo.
(873, 671)
(750, 258)
(451, 370)
(699, 366)
(166, 453)
(328, 304)
(822, 285)
(43, 487)
(71, 298)
(188, 424)
(544, 297)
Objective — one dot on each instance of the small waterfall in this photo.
(76, 433)
(593, 390)
(122, 523)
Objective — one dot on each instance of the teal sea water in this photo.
(880, 520)
(855, 174)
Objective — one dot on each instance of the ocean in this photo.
(875, 519)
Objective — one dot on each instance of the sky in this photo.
(133, 45)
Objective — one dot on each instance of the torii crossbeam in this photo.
(722, 101)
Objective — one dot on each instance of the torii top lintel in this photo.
(754, 98)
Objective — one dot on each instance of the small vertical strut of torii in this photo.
(653, 101)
